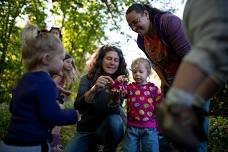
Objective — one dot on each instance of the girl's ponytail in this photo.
(29, 34)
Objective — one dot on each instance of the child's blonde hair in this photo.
(70, 76)
(142, 61)
(36, 43)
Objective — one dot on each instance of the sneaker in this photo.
(182, 124)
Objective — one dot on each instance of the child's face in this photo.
(55, 64)
(67, 64)
(140, 74)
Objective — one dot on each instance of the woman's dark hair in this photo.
(67, 56)
(140, 8)
(58, 29)
(96, 70)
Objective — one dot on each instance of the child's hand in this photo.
(62, 90)
(66, 92)
(122, 78)
(118, 89)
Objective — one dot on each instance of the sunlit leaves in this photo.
(10, 58)
(218, 134)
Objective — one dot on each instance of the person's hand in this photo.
(102, 82)
(118, 89)
(66, 92)
(122, 78)
(179, 121)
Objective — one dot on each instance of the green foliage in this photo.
(5, 118)
(10, 58)
(67, 132)
(218, 134)
(219, 104)
(83, 25)
(12, 69)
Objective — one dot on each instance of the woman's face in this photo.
(139, 23)
(56, 32)
(110, 62)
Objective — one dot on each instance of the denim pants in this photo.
(140, 139)
(202, 147)
(109, 135)
(11, 148)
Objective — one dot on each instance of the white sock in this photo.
(177, 96)
(199, 101)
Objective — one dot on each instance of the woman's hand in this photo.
(102, 82)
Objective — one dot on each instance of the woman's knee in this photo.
(115, 122)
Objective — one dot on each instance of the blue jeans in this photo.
(11, 148)
(140, 139)
(202, 147)
(109, 134)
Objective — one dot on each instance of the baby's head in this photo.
(40, 49)
(141, 69)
